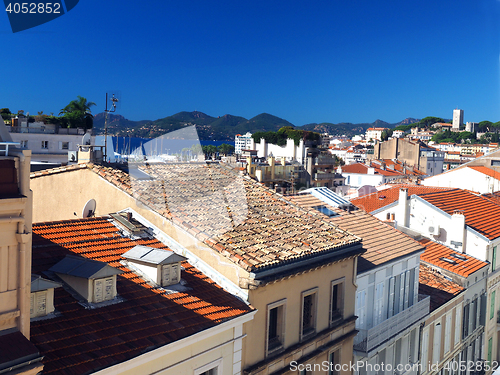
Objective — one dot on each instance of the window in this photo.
(494, 259)
(334, 362)
(308, 312)
(276, 325)
(212, 368)
(379, 315)
(64, 145)
(436, 347)
(458, 318)
(45, 145)
(361, 308)
(492, 306)
(24, 144)
(337, 301)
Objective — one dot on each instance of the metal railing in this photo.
(368, 339)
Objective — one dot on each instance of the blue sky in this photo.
(324, 61)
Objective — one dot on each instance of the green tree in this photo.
(226, 149)
(77, 113)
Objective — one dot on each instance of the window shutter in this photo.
(109, 289)
(415, 285)
(165, 275)
(436, 347)
(391, 296)
(407, 289)
(41, 303)
(175, 276)
(458, 321)
(32, 304)
(98, 292)
(401, 292)
(425, 350)
(360, 307)
(379, 301)
(447, 335)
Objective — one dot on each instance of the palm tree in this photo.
(78, 114)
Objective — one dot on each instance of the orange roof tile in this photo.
(363, 169)
(480, 213)
(237, 217)
(438, 287)
(436, 254)
(382, 198)
(80, 341)
(382, 242)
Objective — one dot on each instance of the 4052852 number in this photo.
(33, 8)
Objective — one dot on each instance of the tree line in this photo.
(77, 114)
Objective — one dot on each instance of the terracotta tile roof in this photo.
(382, 242)
(480, 213)
(436, 255)
(438, 287)
(66, 168)
(494, 197)
(382, 198)
(363, 169)
(80, 341)
(238, 217)
(487, 171)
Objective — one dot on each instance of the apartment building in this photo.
(17, 354)
(374, 133)
(389, 308)
(457, 285)
(298, 272)
(243, 142)
(455, 218)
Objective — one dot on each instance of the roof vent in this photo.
(126, 222)
(94, 281)
(163, 267)
(451, 261)
(458, 256)
(42, 296)
(348, 207)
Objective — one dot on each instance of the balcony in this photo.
(325, 176)
(368, 339)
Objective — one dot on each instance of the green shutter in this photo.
(492, 307)
(494, 259)
(490, 347)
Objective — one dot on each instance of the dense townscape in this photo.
(293, 252)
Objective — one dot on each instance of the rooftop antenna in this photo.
(89, 209)
(114, 100)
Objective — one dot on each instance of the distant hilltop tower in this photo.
(458, 119)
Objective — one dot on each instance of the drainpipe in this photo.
(24, 282)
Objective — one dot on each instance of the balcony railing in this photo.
(368, 339)
(323, 176)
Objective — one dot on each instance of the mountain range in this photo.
(224, 128)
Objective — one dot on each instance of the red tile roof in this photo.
(465, 265)
(480, 213)
(79, 341)
(363, 169)
(494, 197)
(237, 217)
(382, 242)
(382, 198)
(438, 287)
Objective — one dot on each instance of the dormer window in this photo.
(42, 296)
(94, 281)
(163, 267)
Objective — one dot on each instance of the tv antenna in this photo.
(114, 101)
(89, 209)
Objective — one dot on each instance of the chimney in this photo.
(371, 170)
(271, 163)
(457, 232)
(402, 209)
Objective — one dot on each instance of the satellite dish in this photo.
(86, 139)
(89, 209)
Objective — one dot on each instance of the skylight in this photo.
(451, 261)
(326, 211)
(458, 256)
